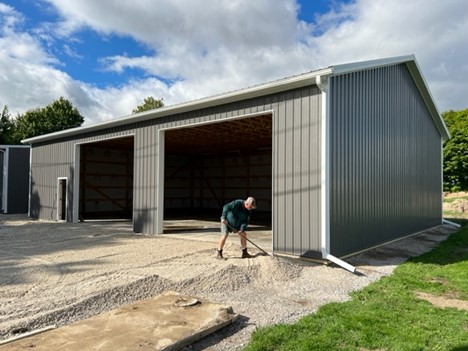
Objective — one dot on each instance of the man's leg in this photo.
(243, 241)
(222, 241)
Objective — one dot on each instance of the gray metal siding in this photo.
(293, 182)
(385, 160)
(51, 161)
(296, 165)
(296, 194)
(18, 180)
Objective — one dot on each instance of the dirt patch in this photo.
(444, 301)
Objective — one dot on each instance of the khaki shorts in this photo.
(225, 230)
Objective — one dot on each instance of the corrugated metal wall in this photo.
(18, 180)
(296, 165)
(53, 160)
(385, 160)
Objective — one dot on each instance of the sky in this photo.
(107, 56)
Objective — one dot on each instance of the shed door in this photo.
(62, 199)
(1, 181)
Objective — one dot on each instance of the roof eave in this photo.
(252, 92)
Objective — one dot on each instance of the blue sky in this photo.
(106, 58)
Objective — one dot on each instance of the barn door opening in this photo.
(210, 164)
(61, 199)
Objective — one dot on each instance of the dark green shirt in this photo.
(236, 214)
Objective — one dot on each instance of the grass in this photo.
(453, 199)
(388, 315)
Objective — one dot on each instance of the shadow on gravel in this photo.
(22, 239)
(220, 335)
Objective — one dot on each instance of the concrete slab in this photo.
(169, 321)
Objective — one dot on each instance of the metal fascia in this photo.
(363, 65)
(252, 92)
(426, 94)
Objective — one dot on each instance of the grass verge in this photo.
(388, 314)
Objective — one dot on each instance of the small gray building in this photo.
(340, 159)
(14, 178)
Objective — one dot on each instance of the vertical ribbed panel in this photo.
(385, 160)
(296, 188)
(18, 180)
(49, 163)
(146, 172)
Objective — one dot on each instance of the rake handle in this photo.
(250, 241)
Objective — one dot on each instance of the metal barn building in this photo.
(14, 178)
(340, 160)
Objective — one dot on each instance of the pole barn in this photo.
(340, 159)
(14, 178)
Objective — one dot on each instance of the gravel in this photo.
(58, 273)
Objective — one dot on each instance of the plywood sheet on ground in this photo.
(169, 321)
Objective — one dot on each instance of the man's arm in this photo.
(226, 208)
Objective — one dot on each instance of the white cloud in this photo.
(197, 24)
(200, 48)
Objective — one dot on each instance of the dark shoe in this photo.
(245, 254)
(219, 255)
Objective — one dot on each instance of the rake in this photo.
(250, 241)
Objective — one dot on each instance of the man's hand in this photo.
(224, 221)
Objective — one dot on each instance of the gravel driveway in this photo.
(58, 273)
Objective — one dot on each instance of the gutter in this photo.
(323, 84)
(277, 86)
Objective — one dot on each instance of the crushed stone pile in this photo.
(56, 274)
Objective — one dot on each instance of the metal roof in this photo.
(301, 80)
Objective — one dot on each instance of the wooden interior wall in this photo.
(197, 183)
(106, 181)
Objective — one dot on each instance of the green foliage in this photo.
(59, 115)
(149, 103)
(456, 151)
(388, 315)
(7, 127)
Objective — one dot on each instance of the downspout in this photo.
(323, 84)
(445, 221)
(30, 180)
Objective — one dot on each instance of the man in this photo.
(236, 216)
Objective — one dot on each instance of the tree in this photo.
(59, 115)
(7, 127)
(456, 151)
(150, 103)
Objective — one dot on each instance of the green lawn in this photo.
(388, 315)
